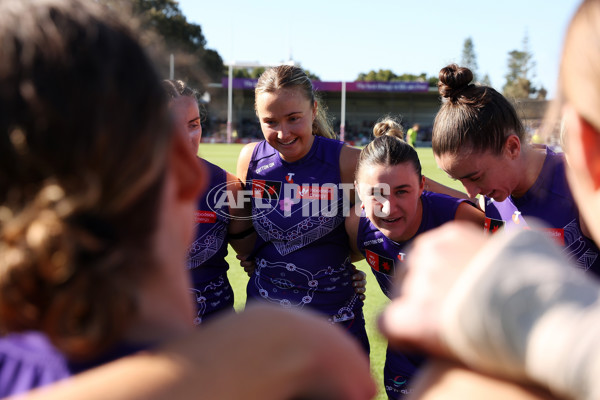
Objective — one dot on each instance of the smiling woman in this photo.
(396, 209)
(297, 174)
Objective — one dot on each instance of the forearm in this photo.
(520, 312)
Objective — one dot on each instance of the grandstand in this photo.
(365, 102)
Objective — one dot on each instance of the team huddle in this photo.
(303, 253)
(93, 237)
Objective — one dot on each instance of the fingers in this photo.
(359, 281)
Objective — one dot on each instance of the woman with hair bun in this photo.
(479, 140)
(395, 210)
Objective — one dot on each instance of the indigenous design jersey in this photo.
(551, 201)
(385, 256)
(206, 258)
(302, 253)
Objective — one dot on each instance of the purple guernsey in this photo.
(549, 200)
(385, 256)
(302, 252)
(206, 257)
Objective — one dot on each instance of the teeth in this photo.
(290, 142)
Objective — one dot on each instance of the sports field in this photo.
(225, 156)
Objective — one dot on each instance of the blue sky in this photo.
(338, 39)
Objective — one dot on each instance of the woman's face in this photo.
(187, 115)
(391, 198)
(482, 173)
(286, 117)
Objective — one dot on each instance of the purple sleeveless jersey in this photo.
(206, 257)
(549, 200)
(302, 252)
(385, 256)
(28, 360)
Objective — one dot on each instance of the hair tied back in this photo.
(454, 80)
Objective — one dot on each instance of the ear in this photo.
(512, 146)
(422, 185)
(583, 146)
(357, 188)
(314, 110)
(190, 175)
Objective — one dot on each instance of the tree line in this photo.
(166, 25)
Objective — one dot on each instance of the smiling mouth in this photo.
(390, 221)
(288, 143)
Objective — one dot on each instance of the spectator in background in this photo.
(411, 135)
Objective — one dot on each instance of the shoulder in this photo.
(244, 160)
(348, 161)
(352, 221)
(467, 211)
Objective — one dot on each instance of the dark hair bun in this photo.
(454, 80)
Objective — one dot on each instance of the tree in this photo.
(195, 64)
(386, 75)
(469, 58)
(520, 72)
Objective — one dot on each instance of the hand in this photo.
(359, 282)
(437, 259)
(248, 264)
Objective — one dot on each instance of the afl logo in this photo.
(227, 196)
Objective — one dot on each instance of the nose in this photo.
(385, 208)
(471, 188)
(283, 132)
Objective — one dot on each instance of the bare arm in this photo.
(292, 355)
(468, 212)
(351, 223)
(244, 161)
(433, 186)
(240, 229)
(348, 160)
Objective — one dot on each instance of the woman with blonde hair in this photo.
(300, 177)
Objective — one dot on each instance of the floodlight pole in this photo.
(343, 117)
(229, 102)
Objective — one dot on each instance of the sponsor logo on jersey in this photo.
(264, 167)
(380, 263)
(289, 178)
(399, 380)
(557, 234)
(262, 189)
(205, 217)
(492, 225)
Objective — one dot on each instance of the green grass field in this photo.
(225, 156)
